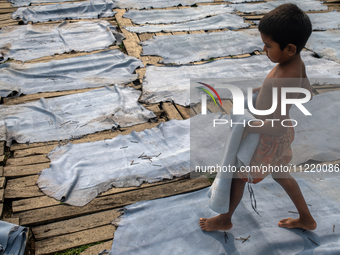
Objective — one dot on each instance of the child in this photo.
(284, 31)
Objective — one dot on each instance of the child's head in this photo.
(287, 24)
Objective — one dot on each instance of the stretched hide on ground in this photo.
(88, 71)
(72, 116)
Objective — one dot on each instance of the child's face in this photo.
(273, 51)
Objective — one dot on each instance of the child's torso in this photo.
(296, 77)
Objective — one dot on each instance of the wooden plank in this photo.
(213, 30)
(184, 111)
(18, 171)
(162, 33)
(332, 1)
(33, 203)
(216, 2)
(2, 192)
(171, 111)
(325, 86)
(141, 127)
(153, 107)
(145, 60)
(97, 248)
(5, 16)
(320, 91)
(2, 147)
(2, 182)
(131, 42)
(246, 55)
(43, 150)
(197, 32)
(24, 192)
(4, 4)
(227, 105)
(60, 243)
(12, 220)
(145, 36)
(196, 108)
(333, 6)
(144, 185)
(215, 108)
(8, 23)
(252, 17)
(61, 212)
(141, 73)
(171, 8)
(76, 224)
(7, 5)
(151, 60)
(23, 146)
(154, 60)
(22, 182)
(7, 10)
(37, 159)
(180, 33)
(123, 22)
(45, 201)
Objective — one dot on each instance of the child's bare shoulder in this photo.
(293, 70)
(293, 75)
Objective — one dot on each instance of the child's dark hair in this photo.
(287, 24)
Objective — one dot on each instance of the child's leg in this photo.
(223, 221)
(289, 184)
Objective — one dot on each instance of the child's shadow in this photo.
(227, 242)
(309, 245)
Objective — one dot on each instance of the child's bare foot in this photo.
(216, 223)
(297, 223)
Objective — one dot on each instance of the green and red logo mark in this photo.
(209, 93)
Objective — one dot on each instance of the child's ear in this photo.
(291, 49)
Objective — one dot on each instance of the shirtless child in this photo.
(284, 32)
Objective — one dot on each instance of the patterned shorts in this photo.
(271, 150)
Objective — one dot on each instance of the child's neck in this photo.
(293, 59)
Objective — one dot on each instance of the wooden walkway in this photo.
(56, 226)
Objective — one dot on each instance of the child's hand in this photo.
(257, 89)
